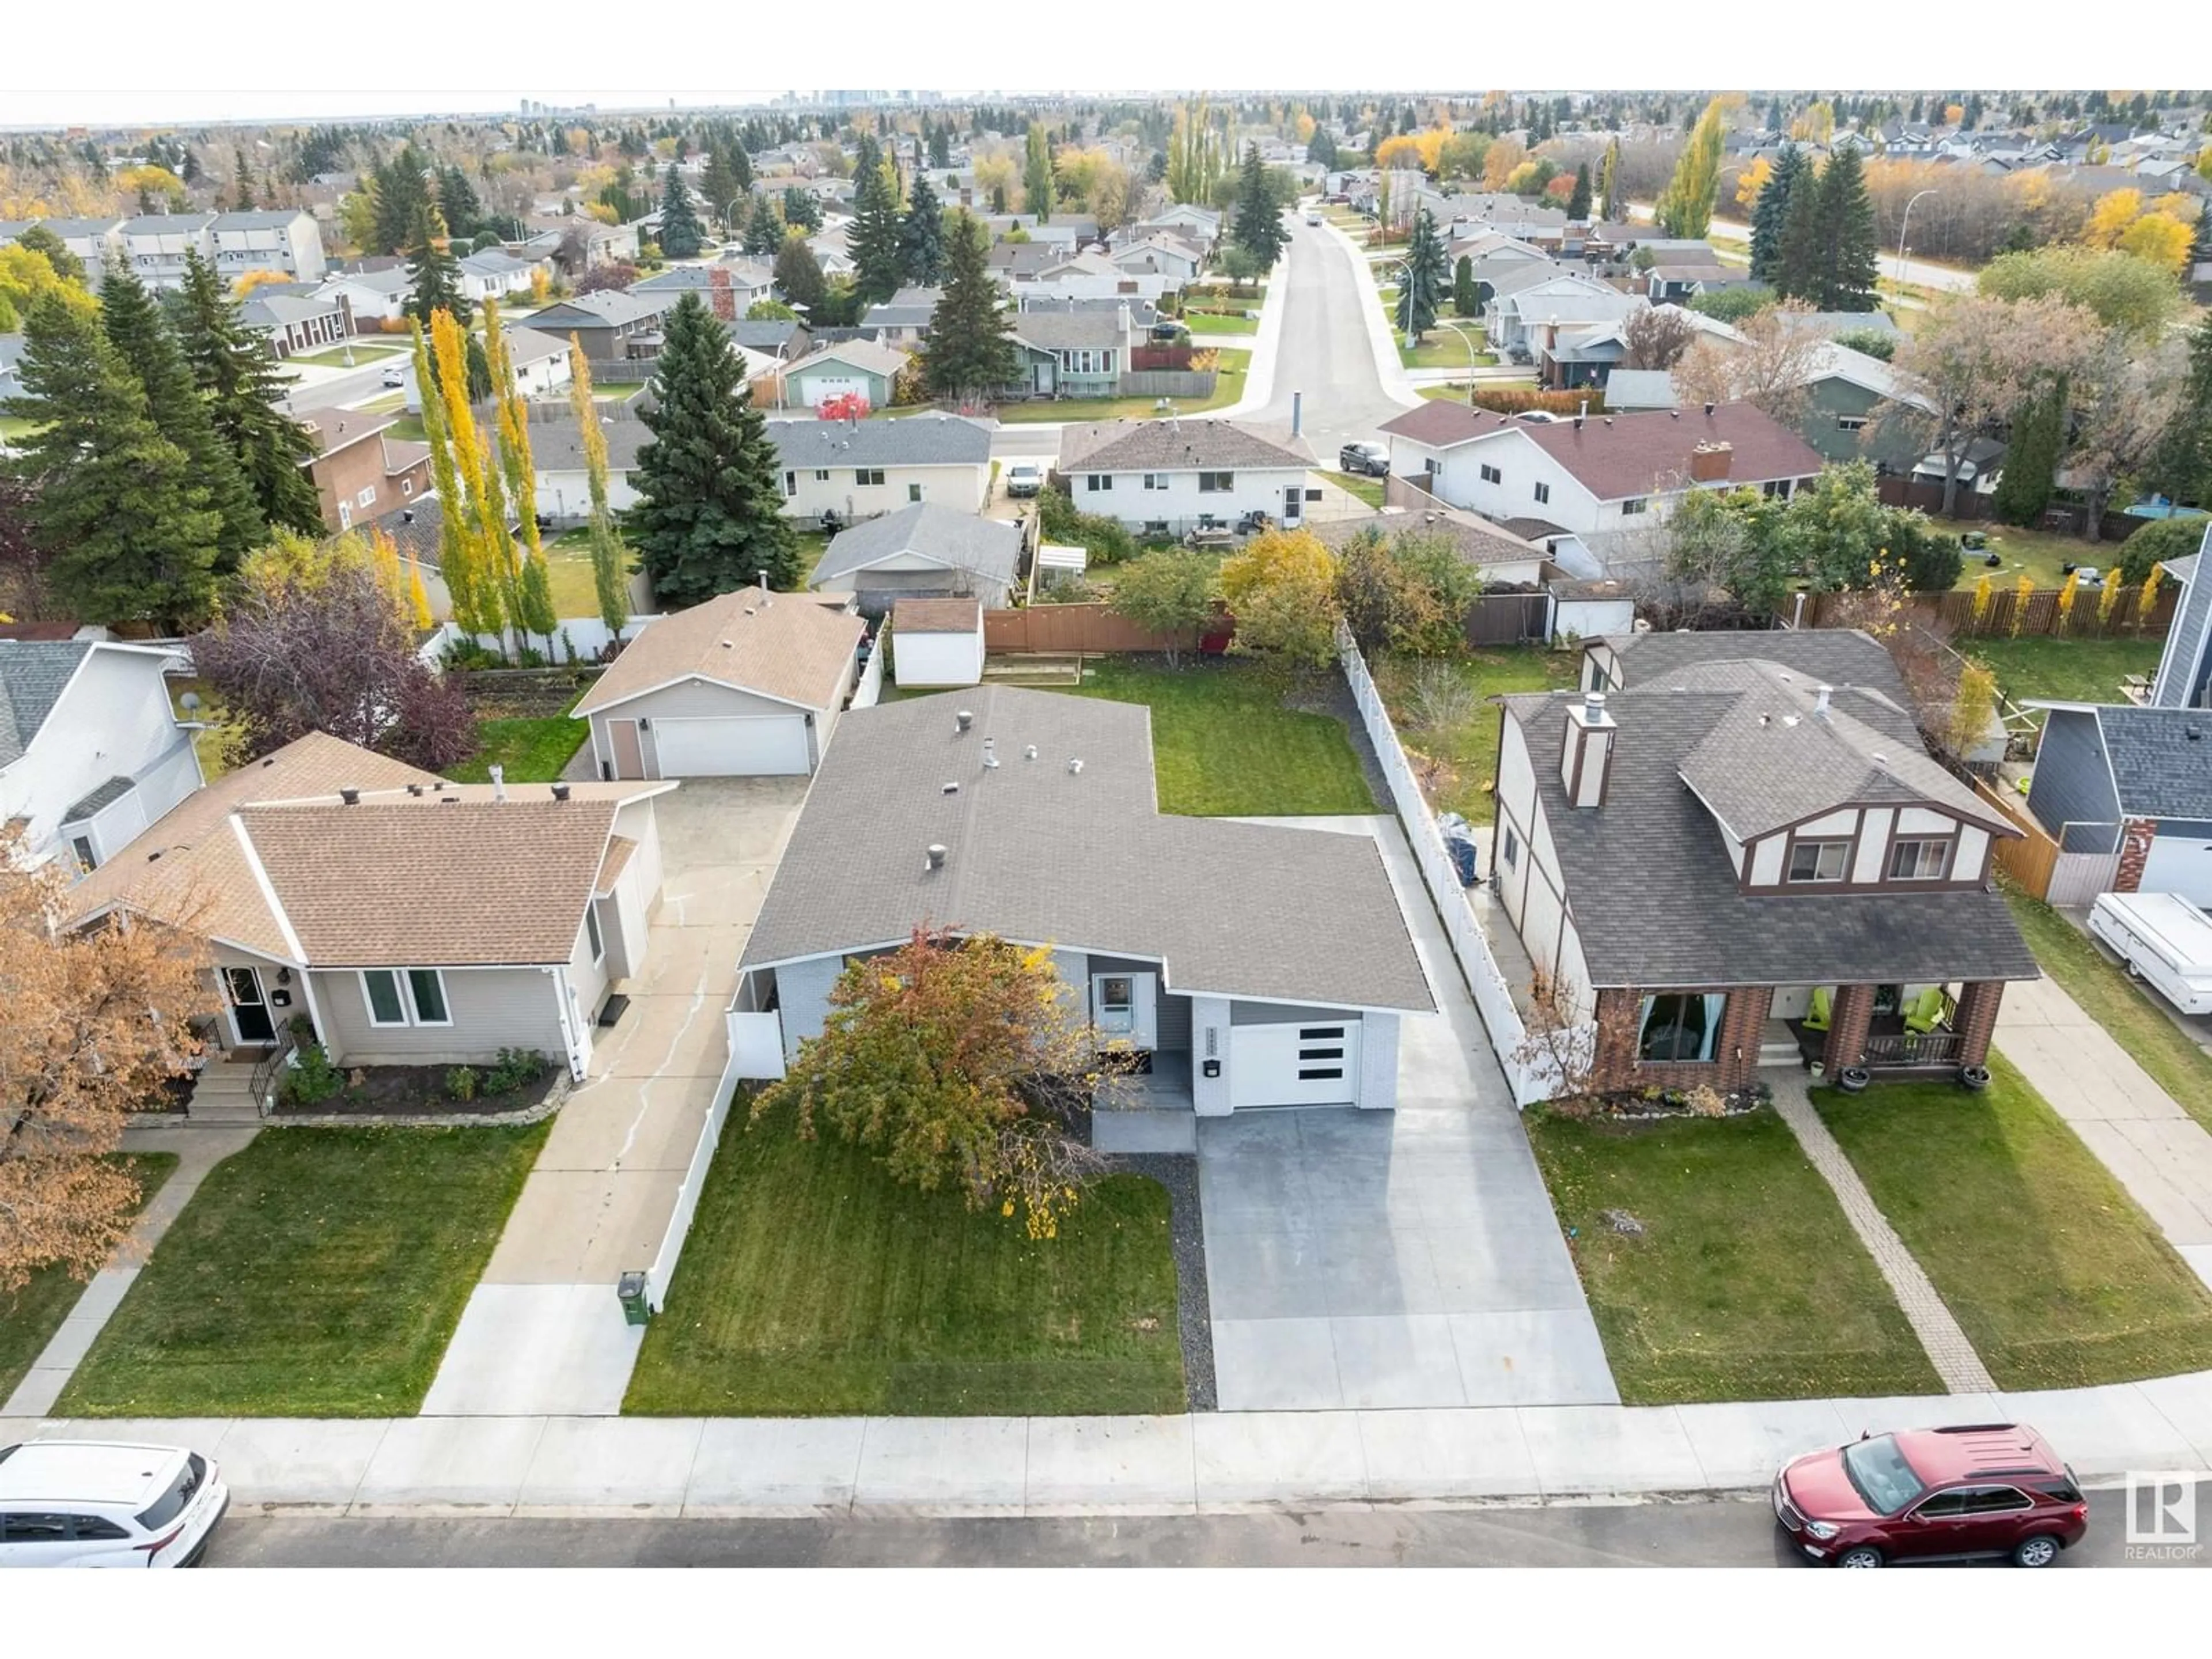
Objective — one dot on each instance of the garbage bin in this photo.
(636, 1310)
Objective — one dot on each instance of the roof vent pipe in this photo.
(559, 792)
(1074, 768)
(499, 783)
(1820, 698)
(1030, 753)
(761, 576)
(935, 857)
(990, 752)
(351, 797)
(963, 720)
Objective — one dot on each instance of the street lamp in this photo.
(728, 205)
(1901, 225)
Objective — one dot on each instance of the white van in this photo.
(95, 1503)
(2165, 940)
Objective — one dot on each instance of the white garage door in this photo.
(738, 746)
(1315, 1065)
(820, 388)
(2180, 863)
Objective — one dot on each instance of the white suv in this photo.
(90, 1504)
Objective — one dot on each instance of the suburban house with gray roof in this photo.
(1167, 477)
(1732, 849)
(412, 921)
(1257, 965)
(91, 750)
(747, 684)
(2184, 664)
(615, 329)
(849, 470)
(923, 551)
(2129, 789)
(1073, 354)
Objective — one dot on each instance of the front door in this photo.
(250, 1020)
(1294, 503)
(1125, 1007)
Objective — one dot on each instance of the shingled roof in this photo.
(1174, 446)
(782, 645)
(1615, 457)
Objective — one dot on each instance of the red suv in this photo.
(1928, 1494)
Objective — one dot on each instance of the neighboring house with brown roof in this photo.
(359, 473)
(411, 920)
(1592, 476)
(1496, 552)
(749, 685)
(1164, 478)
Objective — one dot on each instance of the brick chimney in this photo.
(1586, 751)
(1709, 461)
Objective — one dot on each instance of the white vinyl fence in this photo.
(870, 687)
(1531, 1077)
(585, 635)
(663, 1271)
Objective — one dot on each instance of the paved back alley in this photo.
(1395, 1259)
(543, 1331)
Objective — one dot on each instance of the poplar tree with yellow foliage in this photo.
(609, 563)
(493, 572)
(533, 591)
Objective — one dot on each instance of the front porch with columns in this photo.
(1858, 1032)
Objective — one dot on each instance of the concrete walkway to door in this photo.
(542, 1333)
(1370, 1258)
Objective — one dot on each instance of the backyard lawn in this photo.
(1228, 388)
(2058, 1278)
(30, 1316)
(1469, 749)
(2124, 1009)
(319, 1272)
(569, 563)
(1224, 746)
(1701, 1305)
(2037, 554)
(527, 750)
(814, 1284)
(2087, 671)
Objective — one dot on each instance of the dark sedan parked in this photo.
(1374, 459)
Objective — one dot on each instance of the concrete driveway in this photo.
(1395, 1259)
(543, 1331)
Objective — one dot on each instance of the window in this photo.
(822, 474)
(1993, 1500)
(1097, 481)
(34, 1529)
(1849, 422)
(1877, 1468)
(411, 996)
(1509, 848)
(1919, 860)
(1216, 484)
(81, 846)
(914, 492)
(1155, 481)
(1156, 527)
(1819, 861)
(345, 515)
(175, 1501)
(1544, 492)
(592, 933)
(1633, 506)
(1492, 475)
(1680, 1025)
(790, 484)
(407, 486)
(368, 496)
(867, 474)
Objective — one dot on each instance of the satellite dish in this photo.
(190, 702)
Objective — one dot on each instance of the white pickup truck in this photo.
(2164, 940)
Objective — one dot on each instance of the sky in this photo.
(327, 65)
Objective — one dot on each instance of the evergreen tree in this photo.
(1609, 206)
(971, 353)
(243, 386)
(397, 189)
(1850, 260)
(2031, 465)
(710, 508)
(1036, 173)
(1257, 226)
(1798, 266)
(798, 276)
(2183, 468)
(874, 240)
(1770, 212)
(682, 236)
(1464, 300)
(128, 530)
(435, 272)
(146, 345)
(940, 145)
(1421, 278)
(764, 230)
(1578, 201)
(921, 237)
(458, 203)
(800, 210)
(1321, 149)
(725, 194)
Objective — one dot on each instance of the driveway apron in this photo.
(1406, 1258)
(543, 1331)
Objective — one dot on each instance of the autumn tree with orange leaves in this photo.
(98, 1020)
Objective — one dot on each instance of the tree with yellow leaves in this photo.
(2149, 596)
(1752, 181)
(1281, 589)
(2107, 601)
(1982, 594)
(2114, 212)
(534, 590)
(2022, 591)
(610, 563)
(1973, 705)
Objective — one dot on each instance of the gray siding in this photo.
(689, 698)
(1175, 1024)
(802, 990)
(492, 1008)
(2073, 784)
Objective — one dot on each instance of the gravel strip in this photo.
(1178, 1173)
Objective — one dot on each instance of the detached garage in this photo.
(2130, 788)
(749, 685)
(937, 642)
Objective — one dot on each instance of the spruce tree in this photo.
(397, 189)
(724, 195)
(1798, 266)
(1770, 212)
(801, 209)
(709, 512)
(971, 353)
(873, 240)
(1463, 290)
(128, 530)
(458, 203)
(435, 272)
(243, 384)
(1851, 263)
(1257, 227)
(921, 237)
(1421, 279)
(682, 236)
(798, 276)
(2184, 466)
(1578, 200)
(145, 342)
(2031, 465)
(764, 230)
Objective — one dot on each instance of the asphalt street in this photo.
(1736, 1532)
(1324, 348)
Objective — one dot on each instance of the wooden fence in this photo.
(2062, 518)
(2037, 614)
(1044, 629)
(2030, 860)
(1508, 619)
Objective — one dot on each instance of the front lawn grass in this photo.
(2058, 1280)
(319, 1272)
(336, 356)
(1747, 1283)
(1366, 488)
(2063, 670)
(1224, 746)
(1446, 346)
(1469, 749)
(1208, 322)
(2129, 1014)
(30, 1316)
(812, 1284)
(1228, 388)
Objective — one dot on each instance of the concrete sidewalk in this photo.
(2154, 1148)
(642, 1467)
